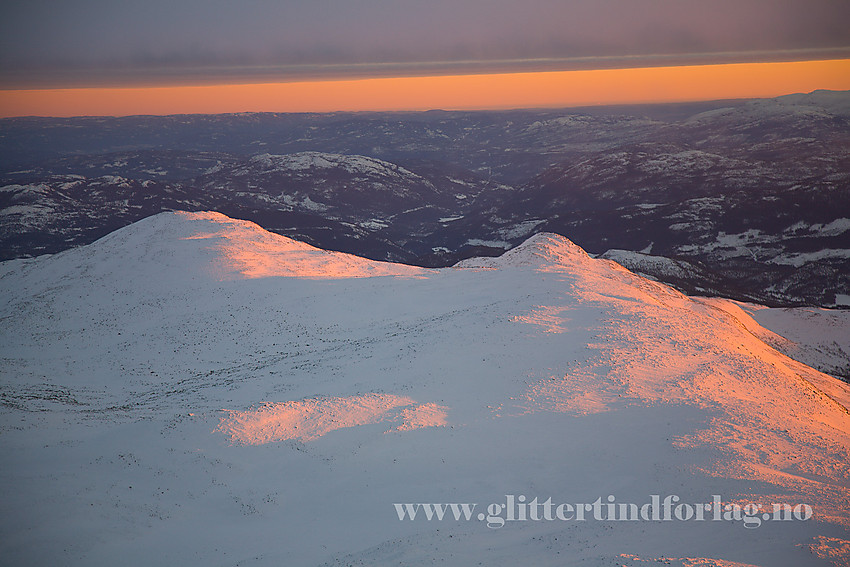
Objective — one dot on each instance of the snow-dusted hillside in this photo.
(192, 390)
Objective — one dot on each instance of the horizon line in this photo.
(479, 91)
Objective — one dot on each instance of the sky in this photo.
(95, 45)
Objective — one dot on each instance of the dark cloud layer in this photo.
(97, 42)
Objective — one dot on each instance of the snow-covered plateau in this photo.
(194, 390)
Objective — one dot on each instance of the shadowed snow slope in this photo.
(194, 390)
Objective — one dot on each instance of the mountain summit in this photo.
(543, 250)
(212, 245)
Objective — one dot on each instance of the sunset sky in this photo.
(114, 57)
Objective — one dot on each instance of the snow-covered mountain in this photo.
(194, 390)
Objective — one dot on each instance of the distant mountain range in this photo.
(744, 199)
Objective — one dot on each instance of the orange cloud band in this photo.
(490, 91)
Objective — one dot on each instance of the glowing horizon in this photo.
(544, 89)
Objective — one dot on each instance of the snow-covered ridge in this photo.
(544, 250)
(647, 263)
(212, 245)
(816, 104)
(355, 164)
